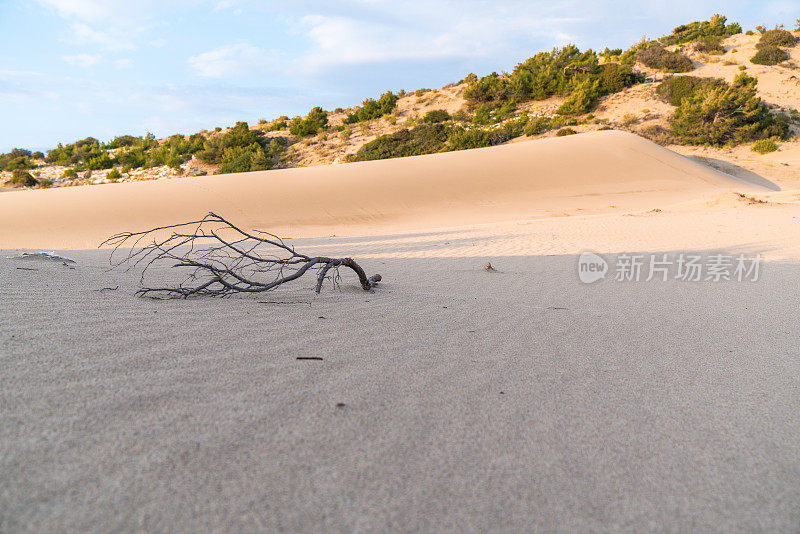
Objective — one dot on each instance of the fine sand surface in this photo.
(451, 398)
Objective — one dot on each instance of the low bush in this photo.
(769, 55)
(710, 45)
(429, 138)
(726, 115)
(776, 38)
(44, 183)
(372, 109)
(695, 31)
(629, 119)
(70, 172)
(565, 131)
(423, 139)
(436, 115)
(657, 133)
(22, 178)
(563, 72)
(123, 141)
(113, 175)
(101, 161)
(765, 146)
(658, 57)
(676, 88)
(278, 125)
(315, 121)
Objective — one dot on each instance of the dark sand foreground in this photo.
(451, 399)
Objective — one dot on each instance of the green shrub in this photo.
(657, 57)
(123, 141)
(70, 173)
(113, 175)
(461, 116)
(538, 126)
(769, 55)
(710, 45)
(694, 31)
(37, 155)
(23, 178)
(726, 115)
(582, 98)
(565, 131)
(423, 139)
(436, 115)
(490, 89)
(564, 72)
(132, 158)
(315, 121)
(278, 125)
(44, 183)
(238, 136)
(797, 25)
(676, 88)
(101, 161)
(373, 109)
(776, 38)
(656, 133)
(609, 53)
(173, 151)
(505, 111)
(482, 115)
(765, 146)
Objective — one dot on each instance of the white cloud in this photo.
(421, 31)
(84, 9)
(123, 63)
(233, 60)
(82, 60)
(109, 24)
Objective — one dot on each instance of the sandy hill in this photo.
(581, 174)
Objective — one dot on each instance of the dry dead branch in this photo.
(222, 259)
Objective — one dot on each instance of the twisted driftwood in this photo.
(224, 259)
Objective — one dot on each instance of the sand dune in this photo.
(583, 174)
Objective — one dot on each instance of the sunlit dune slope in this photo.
(574, 175)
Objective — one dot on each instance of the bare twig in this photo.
(223, 259)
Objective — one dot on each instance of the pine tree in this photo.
(726, 115)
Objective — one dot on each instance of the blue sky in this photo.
(75, 68)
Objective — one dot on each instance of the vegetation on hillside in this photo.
(562, 72)
(675, 88)
(708, 111)
(698, 30)
(722, 114)
(18, 158)
(657, 57)
(312, 123)
(776, 37)
(373, 109)
(769, 55)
